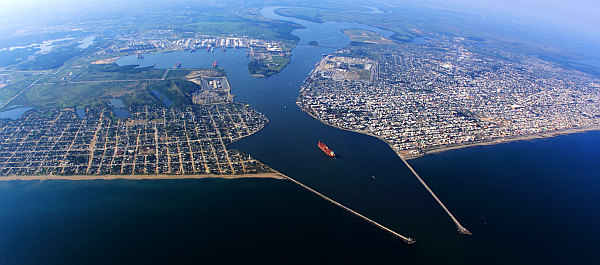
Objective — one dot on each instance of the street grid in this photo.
(182, 141)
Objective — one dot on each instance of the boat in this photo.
(326, 149)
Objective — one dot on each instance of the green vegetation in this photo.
(17, 83)
(183, 73)
(403, 31)
(81, 80)
(106, 72)
(96, 84)
(8, 58)
(308, 14)
(366, 36)
(177, 91)
(265, 68)
(51, 60)
(87, 94)
(10, 91)
(239, 26)
(30, 59)
(177, 74)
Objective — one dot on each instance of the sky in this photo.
(581, 16)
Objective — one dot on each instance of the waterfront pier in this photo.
(460, 228)
(408, 240)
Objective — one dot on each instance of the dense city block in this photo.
(153, 141)
(448, 91)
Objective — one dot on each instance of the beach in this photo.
(139, 177)
(464, 145)
(511, 139)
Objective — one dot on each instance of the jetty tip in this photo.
(464, 231)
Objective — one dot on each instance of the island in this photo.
(362, 36)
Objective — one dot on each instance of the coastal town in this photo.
(153, 141)
(447, 92)
(179, 124)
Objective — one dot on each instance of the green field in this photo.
(403, 31)
(75, 81)
(207, 72)
(69, 95)
(241, 26)
(133, 93)
(366, 36)
(308, 14)
(106, 72)
(265, 68)
(18, 82)
(10, 91)
(177, 90)
(64, 53)
(96, 84)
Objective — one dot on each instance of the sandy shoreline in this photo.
(512, 139)
(465, 145)
(139, 177)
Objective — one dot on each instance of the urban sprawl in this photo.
(449, 91)
(190, 140)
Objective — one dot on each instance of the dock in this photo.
(408, 240)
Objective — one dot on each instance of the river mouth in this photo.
(393, 197)
(521, 200)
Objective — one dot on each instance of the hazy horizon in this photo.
(577, 17)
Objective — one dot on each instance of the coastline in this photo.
(265, 175)
(510, 139)
(465, 145)
(272, 175)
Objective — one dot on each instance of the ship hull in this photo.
(326, 149)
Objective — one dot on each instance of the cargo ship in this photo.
(326, 149)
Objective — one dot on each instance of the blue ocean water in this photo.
(526, 202)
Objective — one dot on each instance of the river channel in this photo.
(527, 202)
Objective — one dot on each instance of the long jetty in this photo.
(461, 229)
(408, 240)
